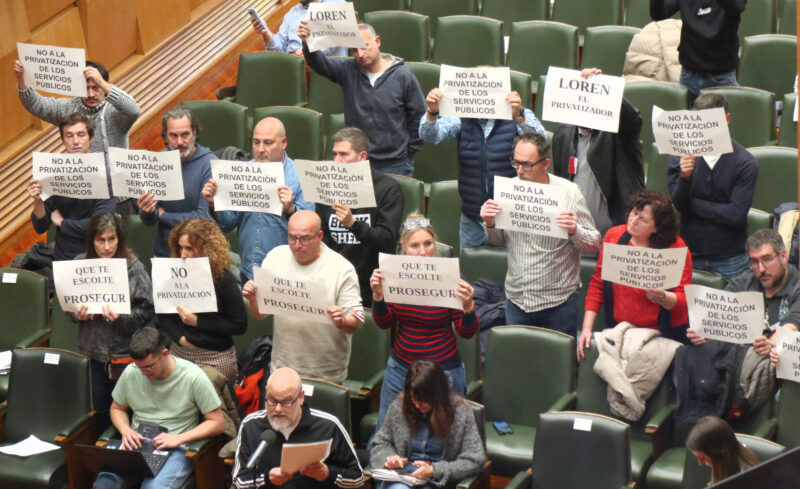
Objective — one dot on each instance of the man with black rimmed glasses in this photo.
(544, 272)
(313, 348)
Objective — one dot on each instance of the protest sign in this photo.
(477, 93)
(78, 175)
(787, 343)
(95, 283)
(185, 282)
(593, 102)
(288, 295)
(420, 280)
(643, 268)
(328, 182)
(735, 317)
(333, 25)
(691, 132)
(53, 69)
(135, 172)
(529, 207)
(247, 186)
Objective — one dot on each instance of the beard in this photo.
(281, 423)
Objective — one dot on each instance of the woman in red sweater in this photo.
(652, 223)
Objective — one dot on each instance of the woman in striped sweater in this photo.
(423, 332)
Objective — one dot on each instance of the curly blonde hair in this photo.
(207, 240)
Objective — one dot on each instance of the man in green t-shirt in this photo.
(170, 393)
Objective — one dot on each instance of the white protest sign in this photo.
(79, 175)
(95, 283)
(691, 132)
(787, 343)
(333, 25)
(735, 317)
(135, 172)
(593, 102)
(247, 186)
(420, 280)
(301, 297)
(477, 93)
(329, 182)
(529, 207)
(183, 282)
(643, 268)
(54, 69)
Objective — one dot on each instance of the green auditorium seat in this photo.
(324, 95)
(444, 211)
(510, 11)
(779, 166)
(484, 262)
(330, 397)
(758, 18)
(758, 219)
(414, 193)
(362, 7)
(561, 41)
(469, 40)
(221, 124)
(605, 47)
(435, 9)
(752, 114)
(586, 14)
(708, 279)
(787, 17)
(768, 62)
(645, 94)
(788, 127)
(303, 129)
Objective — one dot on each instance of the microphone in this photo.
(268, 437)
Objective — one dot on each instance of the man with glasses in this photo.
(313, 348)
(293, 422)
(544, 272)
(771, 275)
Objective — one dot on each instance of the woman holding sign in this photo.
(423, 332)
(207, 337)
(104, 338)
(652, 223)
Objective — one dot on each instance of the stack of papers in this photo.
(394, 476)
(29, 446)
(5, 362)
(295, 456)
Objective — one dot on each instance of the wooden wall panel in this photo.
(13, 25)
(110, 27)
(65, 30)
(158, 19)
(40, 11)
(16, 119)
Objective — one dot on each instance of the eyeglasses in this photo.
(414, 223)
(764, 261)
(148, 368)
(292, 239)
(284, 404)
(527, 166)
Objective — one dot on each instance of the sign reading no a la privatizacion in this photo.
(476, 93)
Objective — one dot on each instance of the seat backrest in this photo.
(444, 250)
(788, 433)
(538, 105)
(544, 358)
(484, 262)
(427, 75)
(521, 83)
(23, 306)
(605, 46)
(369, 350)
(510, 11)
(788, 132)
(561, 41)
(469, 40)
(587, 270)
(324, 95)
(708, 279)
(581, 451)
(752, 114)
(637, 13)
(270, 78)
(333, 122)
(414, 193)
(787, 17)
(645, 94)
(404, 34)
(758, 219)
(768, 62)
(48, 392)
(777, 182)
(256, 328)
(480, 419)
(221, 123)
(758, 18)
(585, 14)
(435, 9)
(139, 238)
(364, 6)
(444, 211)
(63, 330)
(657, 164)
(303, 129)
(470, 350)
(329, 397)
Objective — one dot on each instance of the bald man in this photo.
(260, 232)
(313, 348)
(294, 422)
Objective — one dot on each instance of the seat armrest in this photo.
(657, 421)
(481, 480)
(371, 383)
(69, 430)
(474, 390)
(766, 429)
(109, 433)
(520, 481)
(32, 339)
(564, 402)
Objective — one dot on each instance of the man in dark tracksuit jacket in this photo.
(381, 97)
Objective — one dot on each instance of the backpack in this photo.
(251, 383)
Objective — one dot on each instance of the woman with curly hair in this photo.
(207, 337)
(652, 223)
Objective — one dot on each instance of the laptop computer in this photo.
(145, 462)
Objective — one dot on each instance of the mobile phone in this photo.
(502, 428)
(256, 17)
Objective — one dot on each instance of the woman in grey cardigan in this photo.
(429, 432)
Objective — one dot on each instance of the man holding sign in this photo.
(543, 271)
(313, 348)
(260, 232)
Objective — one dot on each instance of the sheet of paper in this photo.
(93, 282)
(594, 102)
(529, 207)
(329, 182)
(788, 345)
(29, 446)
(295, 456)
(53, 69)
(5, 361)
(643, 268)
(476, 93)
(280, 293)
(78, 176)
(247, 186)
(420, 280)
(735, 317)
(183, 282)
(691, 132)
(333, 25)
(135, 172)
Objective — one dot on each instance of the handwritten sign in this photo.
(329, 182)
(78, 176)
(135, 172)
(643, 268)
(280, 293)
(735, 317)
(787, 343)
(247, 186)
(53, 69)
(476, 93)
(691, 132)
(94, 282)
(529, 207)
(593, 102)
(183, 282)
(333, 25)
(420, 280)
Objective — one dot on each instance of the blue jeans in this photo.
(695, 82)
(730, 268)
(563, 317)
(172, 475)
(405, 168)
(471, 233)
(401, 485)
